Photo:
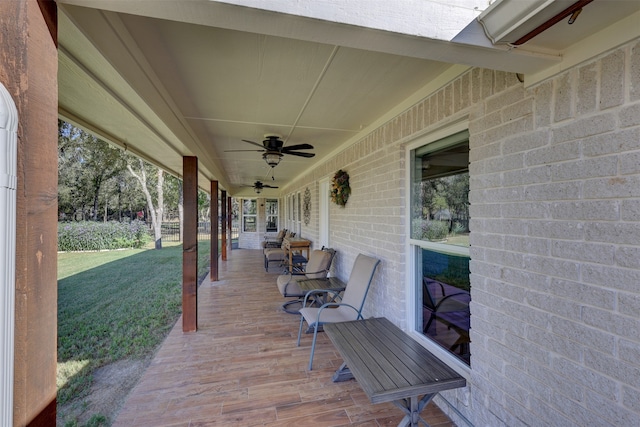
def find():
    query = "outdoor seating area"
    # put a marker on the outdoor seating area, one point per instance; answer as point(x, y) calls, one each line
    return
point(347, 307)
point(316, 268)
point(242, 366)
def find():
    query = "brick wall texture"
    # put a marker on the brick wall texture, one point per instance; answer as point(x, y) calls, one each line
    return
point(555, 237)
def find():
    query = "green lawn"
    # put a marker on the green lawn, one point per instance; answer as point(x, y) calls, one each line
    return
point(115, 305)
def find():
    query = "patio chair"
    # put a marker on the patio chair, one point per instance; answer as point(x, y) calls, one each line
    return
point(317, 268)
point(274, 242)
point(349, 306)
point(276, 254)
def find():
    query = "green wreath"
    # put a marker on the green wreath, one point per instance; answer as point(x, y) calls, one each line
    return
point(340, 189)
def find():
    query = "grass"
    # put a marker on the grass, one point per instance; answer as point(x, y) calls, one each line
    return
point(115, 305)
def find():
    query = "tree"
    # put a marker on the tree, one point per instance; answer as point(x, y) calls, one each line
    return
point(155, 210)
point(85, 165)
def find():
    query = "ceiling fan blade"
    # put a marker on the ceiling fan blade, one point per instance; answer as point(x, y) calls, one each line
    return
point(295, 153)
point(238, 151)
point(268, 186)
point(254, 143)
point(297, 147)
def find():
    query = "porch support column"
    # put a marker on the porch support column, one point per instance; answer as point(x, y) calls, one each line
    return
point(28, 71)
point(229, 225)
point(223, 224)
point(215, 235)
point(190, 245)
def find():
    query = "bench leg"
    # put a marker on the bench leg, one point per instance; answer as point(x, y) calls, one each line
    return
point(342, 374)
point(412, 408)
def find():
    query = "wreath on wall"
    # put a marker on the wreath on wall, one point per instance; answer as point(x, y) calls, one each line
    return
point(340, 189)
point(306, 206)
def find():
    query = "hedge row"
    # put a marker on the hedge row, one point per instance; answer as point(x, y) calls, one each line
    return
point(94, 236)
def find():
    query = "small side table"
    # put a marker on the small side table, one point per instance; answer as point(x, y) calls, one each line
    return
point(295, 243)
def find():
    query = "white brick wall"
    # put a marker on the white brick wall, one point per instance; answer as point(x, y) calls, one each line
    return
point(555, 243)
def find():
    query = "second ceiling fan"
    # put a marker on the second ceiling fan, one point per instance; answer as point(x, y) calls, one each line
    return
point(258, 186)
point(273, 149)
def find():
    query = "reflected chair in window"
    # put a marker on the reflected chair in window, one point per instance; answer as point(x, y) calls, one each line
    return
point(317, 268)
point(348, 307)
point(448, 305)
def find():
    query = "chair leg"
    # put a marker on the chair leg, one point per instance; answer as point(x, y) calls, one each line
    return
point(300, 330)
point(298, 302)
point(431, 318)
point(313, 345)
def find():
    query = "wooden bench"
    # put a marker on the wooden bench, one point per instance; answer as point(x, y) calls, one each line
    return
point(390, 366)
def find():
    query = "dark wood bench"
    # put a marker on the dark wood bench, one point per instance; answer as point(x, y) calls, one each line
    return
point(390, 366)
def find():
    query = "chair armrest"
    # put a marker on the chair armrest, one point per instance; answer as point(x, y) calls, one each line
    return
point(461, 305)
point(316, 272)
point(335, 305)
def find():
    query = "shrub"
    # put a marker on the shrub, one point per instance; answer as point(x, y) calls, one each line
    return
point(429, 230)
point(458, 228)
point(94, 236)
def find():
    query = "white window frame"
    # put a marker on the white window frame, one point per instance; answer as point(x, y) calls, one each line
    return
point(244, 216)
point(411, 252)
point(323, 213)
point(268, 215)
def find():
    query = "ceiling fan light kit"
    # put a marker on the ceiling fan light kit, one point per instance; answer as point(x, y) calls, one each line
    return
point(272, 158)
point(273, 149)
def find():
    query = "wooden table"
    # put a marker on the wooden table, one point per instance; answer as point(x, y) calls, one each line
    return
point(390, 366)
point(330, 283)
point(295, 243)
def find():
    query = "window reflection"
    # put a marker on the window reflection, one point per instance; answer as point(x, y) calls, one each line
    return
point(440, 234)
point(445, 301)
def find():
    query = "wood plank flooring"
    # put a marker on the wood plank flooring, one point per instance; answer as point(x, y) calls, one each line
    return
point(243, 368)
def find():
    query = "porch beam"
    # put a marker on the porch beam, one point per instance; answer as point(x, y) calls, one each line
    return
point(223, 220)
point(190, 245)
point(229, 223)
point(215, 235)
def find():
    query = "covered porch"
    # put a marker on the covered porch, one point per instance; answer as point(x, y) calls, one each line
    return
point(242, 367)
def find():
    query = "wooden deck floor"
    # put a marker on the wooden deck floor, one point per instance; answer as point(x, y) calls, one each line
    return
point(243, 368)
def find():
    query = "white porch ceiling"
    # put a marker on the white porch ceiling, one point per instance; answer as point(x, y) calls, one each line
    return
point(169, 79)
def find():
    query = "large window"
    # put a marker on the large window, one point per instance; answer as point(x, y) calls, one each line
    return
point(271, 207)
point(440, 241)
point(249, 215)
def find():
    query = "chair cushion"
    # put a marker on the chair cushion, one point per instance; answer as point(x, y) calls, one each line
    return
point(318, 264)
point(274, 254)
point(329, 315)
point(288, 285)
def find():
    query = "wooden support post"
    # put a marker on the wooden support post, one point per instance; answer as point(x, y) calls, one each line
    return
point(190, 245)
point(229, 223)
point(215, 235)
point(28, 147)
point(223, 202)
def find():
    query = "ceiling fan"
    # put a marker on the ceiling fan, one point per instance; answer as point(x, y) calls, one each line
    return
point(273, 148)
point(258, 186)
